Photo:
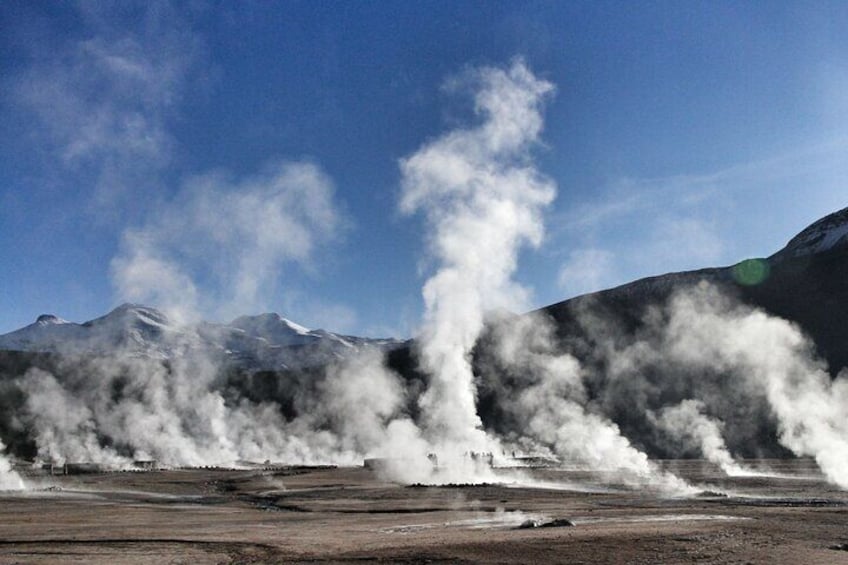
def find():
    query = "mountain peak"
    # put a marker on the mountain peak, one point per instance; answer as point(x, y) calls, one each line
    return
point(275, 329)
point(129, 310)
point(50, 319)
point(822, 235)
point(264, 341)
point(268, 321)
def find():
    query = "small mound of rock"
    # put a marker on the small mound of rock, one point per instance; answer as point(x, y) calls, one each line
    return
point(711, 494)
point(452, 485)
point(556, 523)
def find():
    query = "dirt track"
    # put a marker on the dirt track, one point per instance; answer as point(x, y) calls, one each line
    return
point(349, 515)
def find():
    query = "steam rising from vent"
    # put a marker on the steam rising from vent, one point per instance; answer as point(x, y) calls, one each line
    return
point(365, 401)
point(113, 410)
point(64, 425)
point(687, 422)
point(9, 479)
point(707, 329)
point(482, 198)
point(548, 400)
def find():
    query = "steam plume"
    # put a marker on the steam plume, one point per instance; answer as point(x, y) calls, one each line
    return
point(688, 423)
point(482, 198)
point(707, 329)
point(221, 244)
point(9, 479)
point(549, 402)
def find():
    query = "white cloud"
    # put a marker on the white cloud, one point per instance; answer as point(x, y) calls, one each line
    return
point(102, 103)
point(221, 245)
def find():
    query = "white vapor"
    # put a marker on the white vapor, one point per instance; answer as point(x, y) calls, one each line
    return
point(707, 329)
point(103, 103)
point(9, 479)
point(688, 423)
point(220, 245)
point(550, 404)
point(64, 424)
point(483, 198)
point(124, 407)
point(361, 398)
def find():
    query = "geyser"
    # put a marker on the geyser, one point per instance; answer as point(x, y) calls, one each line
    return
point(482, 198)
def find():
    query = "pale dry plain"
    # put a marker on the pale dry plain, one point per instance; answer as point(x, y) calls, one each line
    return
point(349, 515)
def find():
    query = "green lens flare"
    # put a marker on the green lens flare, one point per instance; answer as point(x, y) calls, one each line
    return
point(751, 272)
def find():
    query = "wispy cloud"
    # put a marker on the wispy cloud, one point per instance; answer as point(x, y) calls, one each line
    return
point(102, 102)
point(221, 245)
point(644, 226)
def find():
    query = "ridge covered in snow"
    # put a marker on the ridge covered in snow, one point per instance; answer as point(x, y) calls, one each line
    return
point(823, 235)
point(266, 341)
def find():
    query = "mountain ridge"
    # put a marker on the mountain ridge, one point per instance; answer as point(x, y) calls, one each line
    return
point(263, 341)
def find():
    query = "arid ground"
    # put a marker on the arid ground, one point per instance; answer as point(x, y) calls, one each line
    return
point(329, 515)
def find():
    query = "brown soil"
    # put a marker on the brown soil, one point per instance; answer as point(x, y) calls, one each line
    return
point(351, 516)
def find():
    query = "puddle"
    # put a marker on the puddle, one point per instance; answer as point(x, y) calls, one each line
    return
point(521, 520)
point(565, 486)
point(497, 520)
point(657, 518)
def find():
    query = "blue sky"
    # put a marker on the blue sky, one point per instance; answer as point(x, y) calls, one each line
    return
point(244, 157)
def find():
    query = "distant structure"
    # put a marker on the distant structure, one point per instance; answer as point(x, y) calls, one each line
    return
point(146, 464)
point(381, 463)
point(84, 468)
point(377, 463)
point(74, 468)
point(481, 457)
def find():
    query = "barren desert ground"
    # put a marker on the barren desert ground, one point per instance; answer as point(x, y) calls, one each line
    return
point(339, 515)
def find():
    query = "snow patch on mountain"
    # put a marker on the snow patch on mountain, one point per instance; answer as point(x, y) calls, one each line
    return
point(266, 341)
point(823, 235)
point(275, 329)
point(49, 320)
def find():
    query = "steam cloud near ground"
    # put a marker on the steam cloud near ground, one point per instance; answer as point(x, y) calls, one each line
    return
point(9, 479)
point(701, 376)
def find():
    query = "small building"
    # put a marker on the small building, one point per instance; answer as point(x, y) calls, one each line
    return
point(84, 468)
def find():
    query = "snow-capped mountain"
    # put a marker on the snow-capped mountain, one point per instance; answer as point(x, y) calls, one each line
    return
point(48, 332)
point(274, 329)
point(129, 328)
point(266, 341)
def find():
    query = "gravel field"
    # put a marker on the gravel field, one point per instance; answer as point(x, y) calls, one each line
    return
point(786, 514)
